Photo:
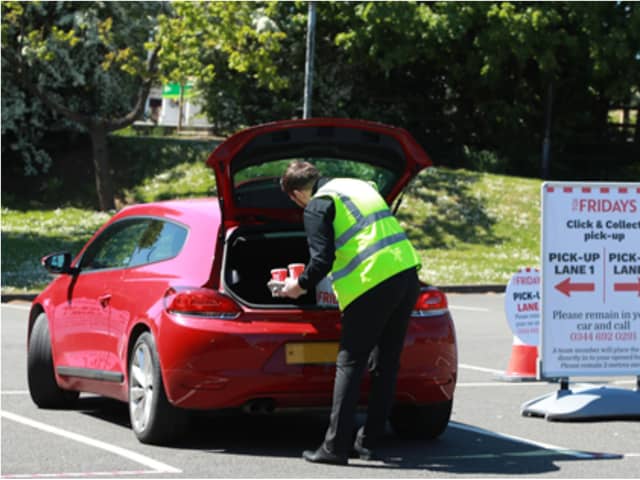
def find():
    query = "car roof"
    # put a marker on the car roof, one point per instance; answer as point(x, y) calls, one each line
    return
point(185, 211)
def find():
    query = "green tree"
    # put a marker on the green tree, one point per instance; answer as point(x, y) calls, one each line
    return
point(94, 63)
point(85, 62)
point(201, 39)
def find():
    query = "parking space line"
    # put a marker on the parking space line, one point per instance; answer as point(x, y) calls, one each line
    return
point(545, 446)
point(481, 369)
point(15, 392)
point(18, 306)
point(80, 474)
point(156, 466)
point(501, 384)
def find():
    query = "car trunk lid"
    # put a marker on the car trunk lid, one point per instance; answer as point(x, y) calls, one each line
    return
point(249, 164)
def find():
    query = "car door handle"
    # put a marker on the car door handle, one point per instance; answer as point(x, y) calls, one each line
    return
point(104, 300)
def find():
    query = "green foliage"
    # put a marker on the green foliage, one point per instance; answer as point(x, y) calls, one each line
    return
point(29, 235)
point(136, 160)
point(472, 228)
point(457, 75)
point(453, 73)
point(185, 180)
point(88, 56)
point(468, 227)
point(148, 168)
point(86, 62)
point(483, 160)
point(24, 122)
point(242, 31)
point(328, 167)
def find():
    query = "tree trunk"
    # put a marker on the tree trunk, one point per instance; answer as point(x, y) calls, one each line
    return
point(104, 183)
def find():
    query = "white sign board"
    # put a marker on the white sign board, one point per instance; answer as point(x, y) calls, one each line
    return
point(522, 305)
point(590, 279)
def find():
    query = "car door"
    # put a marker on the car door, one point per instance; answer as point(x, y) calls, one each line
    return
point(143, 284)
point(82, 321)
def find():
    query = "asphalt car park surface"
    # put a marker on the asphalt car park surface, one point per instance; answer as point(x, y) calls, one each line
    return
point(487, 436)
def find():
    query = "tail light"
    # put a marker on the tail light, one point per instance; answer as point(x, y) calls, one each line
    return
point(201, 302)
point(430, 302)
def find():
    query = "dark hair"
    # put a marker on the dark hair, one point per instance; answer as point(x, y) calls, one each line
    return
point(299, 175)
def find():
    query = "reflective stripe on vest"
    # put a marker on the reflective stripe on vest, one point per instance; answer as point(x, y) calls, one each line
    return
point(361, 221)
point(366, 253)
point(370, 244)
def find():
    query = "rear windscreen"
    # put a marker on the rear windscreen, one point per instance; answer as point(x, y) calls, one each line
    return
point(259, 185)
point(337, 152)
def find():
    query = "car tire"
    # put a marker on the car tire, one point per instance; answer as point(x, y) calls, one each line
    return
point(43, 388)
point(421, 421)
point(153, 419)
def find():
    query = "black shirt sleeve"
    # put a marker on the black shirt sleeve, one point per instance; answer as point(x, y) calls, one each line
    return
point(318, 224)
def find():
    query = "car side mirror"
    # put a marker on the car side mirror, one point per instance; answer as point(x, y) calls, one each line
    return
point(57, 263)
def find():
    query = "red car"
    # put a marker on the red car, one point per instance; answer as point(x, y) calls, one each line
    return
point(167, 306)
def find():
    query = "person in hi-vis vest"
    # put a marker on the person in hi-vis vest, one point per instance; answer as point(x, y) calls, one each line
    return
point(354, 239)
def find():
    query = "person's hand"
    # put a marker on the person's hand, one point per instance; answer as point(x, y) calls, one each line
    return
point(291, 288)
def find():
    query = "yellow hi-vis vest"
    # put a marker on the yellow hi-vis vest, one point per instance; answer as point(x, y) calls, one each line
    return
point(370, 244)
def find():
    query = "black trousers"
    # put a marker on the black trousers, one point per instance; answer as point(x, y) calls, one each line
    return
point(373, 330)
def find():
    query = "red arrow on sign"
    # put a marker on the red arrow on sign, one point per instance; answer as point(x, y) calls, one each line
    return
point(627, 287)
point(567, 287)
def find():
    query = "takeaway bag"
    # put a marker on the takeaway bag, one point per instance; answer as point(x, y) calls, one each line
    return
point(324, 293)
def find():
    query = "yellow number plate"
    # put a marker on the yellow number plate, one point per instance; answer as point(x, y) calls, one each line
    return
point(311, 352)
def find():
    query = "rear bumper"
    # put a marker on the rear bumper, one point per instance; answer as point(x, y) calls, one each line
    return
point(213, 364)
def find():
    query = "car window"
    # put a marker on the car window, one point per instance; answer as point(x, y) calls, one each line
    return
point(259, 185)
point(135, 242)
point(160, 241)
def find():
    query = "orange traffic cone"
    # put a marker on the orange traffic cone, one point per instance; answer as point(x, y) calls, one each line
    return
point(522, 364)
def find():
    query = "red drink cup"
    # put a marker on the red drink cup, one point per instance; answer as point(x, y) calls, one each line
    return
point(279, 274)
point(295, 269)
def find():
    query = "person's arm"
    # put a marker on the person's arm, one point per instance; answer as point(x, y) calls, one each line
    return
point(318, 225)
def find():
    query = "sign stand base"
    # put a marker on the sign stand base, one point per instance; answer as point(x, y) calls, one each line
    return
point(585, 402)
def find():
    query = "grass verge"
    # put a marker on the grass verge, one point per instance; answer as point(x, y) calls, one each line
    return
point(468, 227)
point(29, 235)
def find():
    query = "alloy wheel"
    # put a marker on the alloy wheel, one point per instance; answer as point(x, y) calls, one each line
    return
point(141, 390)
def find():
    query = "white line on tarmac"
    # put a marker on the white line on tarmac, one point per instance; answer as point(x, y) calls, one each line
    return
point(469, 309)
point(157, 466)
point(15, 392)
point(500, 384)
point(79, 474)
point(17, 306)
point(481, 369)
point(503, 436)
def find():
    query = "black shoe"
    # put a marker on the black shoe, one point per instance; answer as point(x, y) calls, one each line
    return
point(321, 455)
point(363, 453)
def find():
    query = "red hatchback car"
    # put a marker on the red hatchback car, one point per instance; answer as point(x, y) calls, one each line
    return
point(167, 306)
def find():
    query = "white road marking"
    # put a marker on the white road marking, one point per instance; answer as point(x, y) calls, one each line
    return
point(469, 309)
point(17, 306)
point(79, 474)
point(500, 384)
point(481, 369)
point(15, 392)
point(546, 446)
point(158, 467)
